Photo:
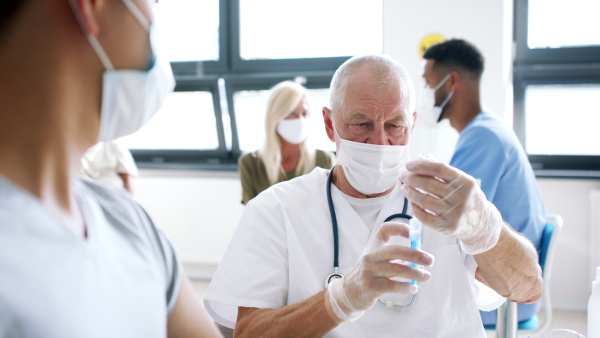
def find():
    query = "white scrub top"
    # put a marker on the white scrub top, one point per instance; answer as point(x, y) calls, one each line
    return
point(104, 161)
point(282, 251)
point(122, 280)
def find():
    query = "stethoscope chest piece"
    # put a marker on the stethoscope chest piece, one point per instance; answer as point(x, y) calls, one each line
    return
point(335, 275)
point(336, 248)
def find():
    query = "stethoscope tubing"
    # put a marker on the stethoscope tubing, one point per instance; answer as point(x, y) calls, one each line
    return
point(334, 225)
point(336, 246)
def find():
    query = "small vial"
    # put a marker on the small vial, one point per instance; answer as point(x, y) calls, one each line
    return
point(414, 236)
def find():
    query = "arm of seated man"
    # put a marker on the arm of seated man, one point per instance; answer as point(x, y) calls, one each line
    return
point(511, 268)
point(455, 206)
point(189, 318)
point(309, 318)
point(346, 298)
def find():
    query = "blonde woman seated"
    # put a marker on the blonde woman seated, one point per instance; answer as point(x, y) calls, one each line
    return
point(285, 153)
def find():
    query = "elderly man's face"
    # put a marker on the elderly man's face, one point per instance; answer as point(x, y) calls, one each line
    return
point(373, 113)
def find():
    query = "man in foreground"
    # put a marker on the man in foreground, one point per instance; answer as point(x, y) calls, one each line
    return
point(79, 259)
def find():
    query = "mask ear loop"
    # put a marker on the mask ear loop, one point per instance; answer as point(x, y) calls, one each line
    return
point(92, 39)
point(447, 99)
point(138, 14)
point(439, 85)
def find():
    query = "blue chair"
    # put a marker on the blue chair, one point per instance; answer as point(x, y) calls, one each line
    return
point(508, 313)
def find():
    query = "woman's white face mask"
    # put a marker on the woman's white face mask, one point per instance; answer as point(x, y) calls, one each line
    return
point(294, 131)
point(371, 168)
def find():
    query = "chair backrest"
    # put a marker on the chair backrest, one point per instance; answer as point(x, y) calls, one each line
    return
point(549, 240)
point(550, 234)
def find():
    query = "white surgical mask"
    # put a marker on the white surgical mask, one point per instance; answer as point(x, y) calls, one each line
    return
point(294, 131)
point(371, 168)
point(428, 109)
point(130, 98)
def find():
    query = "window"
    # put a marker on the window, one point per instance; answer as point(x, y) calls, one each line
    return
point(555, 24)
point(311, 35)
point(227, 54)
point(186, 121)
point(556, 85)
point(189, 128)
point(560, 120)
point(250, 107)
point(247, 100)
point(275, 29)
point(196, 26)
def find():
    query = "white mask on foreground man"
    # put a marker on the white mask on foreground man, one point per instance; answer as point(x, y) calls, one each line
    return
point(270, 281)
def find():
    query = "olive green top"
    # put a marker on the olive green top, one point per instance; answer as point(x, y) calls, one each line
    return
point(254, 175)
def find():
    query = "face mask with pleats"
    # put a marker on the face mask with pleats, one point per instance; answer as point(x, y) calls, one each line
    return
point(371, 168)
point(427, 107)
point(294, 131)
point(130, 98)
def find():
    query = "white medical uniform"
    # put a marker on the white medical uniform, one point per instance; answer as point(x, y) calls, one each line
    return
point(104, 161)
point(122, 280)
point(282, 251)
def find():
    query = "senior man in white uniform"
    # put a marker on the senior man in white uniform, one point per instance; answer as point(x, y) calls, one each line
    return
point(270, 282)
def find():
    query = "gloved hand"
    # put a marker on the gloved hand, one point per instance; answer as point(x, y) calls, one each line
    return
point(371, 276)
point(448, 200)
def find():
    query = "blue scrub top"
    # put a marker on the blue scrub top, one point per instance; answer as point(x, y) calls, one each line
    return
point(491, 152)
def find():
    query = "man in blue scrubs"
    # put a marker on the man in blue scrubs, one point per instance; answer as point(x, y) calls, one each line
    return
point(487, 149)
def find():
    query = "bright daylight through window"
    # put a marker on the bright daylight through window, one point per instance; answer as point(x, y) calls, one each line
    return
point(275, 29)
point(189, 29)
point(247, 46)
point(554, 24)
point(186, 121)
point(553, 112)
point(250, 107)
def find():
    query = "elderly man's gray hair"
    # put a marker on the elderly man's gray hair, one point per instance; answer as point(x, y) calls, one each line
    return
point(382, 67)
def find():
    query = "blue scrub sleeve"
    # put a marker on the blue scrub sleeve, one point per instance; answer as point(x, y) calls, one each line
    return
point(479, 153)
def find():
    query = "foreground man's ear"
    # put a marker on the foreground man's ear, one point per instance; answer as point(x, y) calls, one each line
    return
point(86, 11)
point(328, 123)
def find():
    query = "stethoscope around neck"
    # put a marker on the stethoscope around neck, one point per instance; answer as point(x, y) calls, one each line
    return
point(336, 243)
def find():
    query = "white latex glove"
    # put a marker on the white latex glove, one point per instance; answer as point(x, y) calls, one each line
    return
point(450, 201)
point(371, 276)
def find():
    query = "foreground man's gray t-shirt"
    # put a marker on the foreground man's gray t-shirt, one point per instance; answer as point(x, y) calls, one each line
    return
point(120, 281)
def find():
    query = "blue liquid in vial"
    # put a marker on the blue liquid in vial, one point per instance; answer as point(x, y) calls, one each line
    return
point(415, 243)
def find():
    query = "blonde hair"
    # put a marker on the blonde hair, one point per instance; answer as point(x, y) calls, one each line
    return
point(283, 100)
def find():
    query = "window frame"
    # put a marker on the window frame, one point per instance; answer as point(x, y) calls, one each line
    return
point(237, 74)
point(147, 158)
point(551, 66)
point(314, 80)
point(199, 69)
point(240, 65)
point(526, 55)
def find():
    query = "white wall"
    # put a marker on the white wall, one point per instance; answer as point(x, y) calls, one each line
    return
point(483, 23)
point(572, 275)
point(199, 210)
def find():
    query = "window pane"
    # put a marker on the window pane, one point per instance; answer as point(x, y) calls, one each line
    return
point(189, 29)
point(556, 23)
point(186, 121)
point(275, 29)
point(250, 109)
point(562, 119)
